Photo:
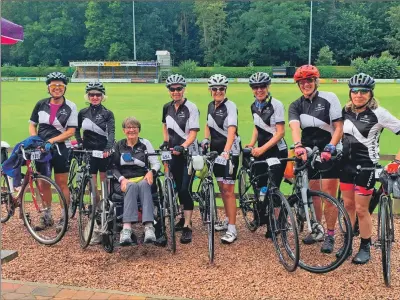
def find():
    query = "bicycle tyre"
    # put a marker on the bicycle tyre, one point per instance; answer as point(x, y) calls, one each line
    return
point(248, 205)
point(291, 261)
point(86, 210)
point(347, 236)
point(107, 240)
point(64, 210)
point(73, 189)
point(169, 200)
point(6, 199)
point(211, 222)
point(386, 241)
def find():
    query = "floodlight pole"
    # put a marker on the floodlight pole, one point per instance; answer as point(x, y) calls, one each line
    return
point(309, 43)
point(134, 30)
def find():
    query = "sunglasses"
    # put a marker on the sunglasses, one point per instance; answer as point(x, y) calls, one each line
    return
point(220, 89)
point(259, 87)
point(58, 85)
point(95, 94)
point(178, 89)
point(363, 91)
point(306, 80)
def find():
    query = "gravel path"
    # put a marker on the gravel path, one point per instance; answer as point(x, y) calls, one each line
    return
point(248, 269)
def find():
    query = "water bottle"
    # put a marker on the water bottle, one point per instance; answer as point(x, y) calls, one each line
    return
point(263, 192)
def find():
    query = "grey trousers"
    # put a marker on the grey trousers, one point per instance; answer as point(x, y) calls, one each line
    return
point(135, 192)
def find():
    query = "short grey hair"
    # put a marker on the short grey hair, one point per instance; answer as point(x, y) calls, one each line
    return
point(131, 121)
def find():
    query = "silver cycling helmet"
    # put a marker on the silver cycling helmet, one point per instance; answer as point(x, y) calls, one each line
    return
point(95, 86)
point(362, 80)
point(260, 78)
point(218, 80)
point(175, 79)
point(55, 76)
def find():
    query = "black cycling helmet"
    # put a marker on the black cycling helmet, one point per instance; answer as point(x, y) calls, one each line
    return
point(175, 79)
point(56, 76)
point(95, 86)
point(259, 78)
point(362, 80)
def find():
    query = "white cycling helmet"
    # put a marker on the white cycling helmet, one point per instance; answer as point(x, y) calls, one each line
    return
point(175, 79)
point(218, 80)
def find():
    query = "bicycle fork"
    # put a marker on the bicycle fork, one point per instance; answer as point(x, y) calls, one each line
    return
point(304, 197)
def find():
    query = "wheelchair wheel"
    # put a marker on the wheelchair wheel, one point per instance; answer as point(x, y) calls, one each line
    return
point(248, 200)
point(170, 214)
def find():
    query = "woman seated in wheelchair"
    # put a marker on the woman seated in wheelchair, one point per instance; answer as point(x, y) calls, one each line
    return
point(135, 180)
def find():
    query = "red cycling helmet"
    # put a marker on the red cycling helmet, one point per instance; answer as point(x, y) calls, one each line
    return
point(306, 71)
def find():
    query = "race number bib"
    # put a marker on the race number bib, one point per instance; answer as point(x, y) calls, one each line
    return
point(98, 154)
point(35, 155)
point(166, 155)
point(221, 161)
point(273, 161)
point(378, 173)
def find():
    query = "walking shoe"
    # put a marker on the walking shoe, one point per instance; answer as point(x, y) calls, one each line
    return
point(363, 256)
point(179, 224)
point(310, 239)
point(44, 221)
point(186, 236)
point(228, 237)
point(327, 246)
point(268, 234)
point(149, 235)
point(60, 226)
point(125, 237)
point(221, 226)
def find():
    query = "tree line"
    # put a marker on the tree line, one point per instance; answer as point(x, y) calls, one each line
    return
point(212, 33)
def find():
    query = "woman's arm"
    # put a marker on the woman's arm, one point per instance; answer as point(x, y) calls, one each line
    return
point(231, 137)
point(254, 137)
point(32, 129)
point(338, 133)
point(63, 136)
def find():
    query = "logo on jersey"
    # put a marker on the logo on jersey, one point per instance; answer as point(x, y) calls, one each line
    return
point(319, 107)
point(181, 114)
point(99, 117)
point(63, 112)
point(364, 119)
point(219, 113)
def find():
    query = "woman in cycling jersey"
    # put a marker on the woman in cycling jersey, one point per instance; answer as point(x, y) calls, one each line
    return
point(54, 120)
point(98, 126)
point(269, 129)
point(364, 121)
point(316, 120)
point(221, 128)
point(180, 126)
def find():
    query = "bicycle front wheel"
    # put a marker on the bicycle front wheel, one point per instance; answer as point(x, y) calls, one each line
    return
point(386, 239)
point(284, 230)
point(86, 212)
point(7, 206)
point(170, 214)
point(210, 212)
point(319, 251)
point(44, 209)
point(73, 188)
point(248, 200)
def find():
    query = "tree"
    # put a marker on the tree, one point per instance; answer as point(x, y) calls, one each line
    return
point(325, 57)
point(393, 39)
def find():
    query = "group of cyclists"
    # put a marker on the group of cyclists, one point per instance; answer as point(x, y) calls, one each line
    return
point(316, 119)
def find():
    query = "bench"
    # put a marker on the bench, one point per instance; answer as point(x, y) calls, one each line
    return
point(283, 71)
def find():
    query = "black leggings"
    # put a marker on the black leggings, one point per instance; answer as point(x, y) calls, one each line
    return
point(179, 171)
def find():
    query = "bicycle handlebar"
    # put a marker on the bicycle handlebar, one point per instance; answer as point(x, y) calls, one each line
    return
point(41, 148)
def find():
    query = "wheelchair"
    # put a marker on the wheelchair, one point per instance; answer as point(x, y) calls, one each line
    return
point(109, 212)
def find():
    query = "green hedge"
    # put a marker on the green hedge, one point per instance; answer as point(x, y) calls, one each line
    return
point(245, 72)
point(11, 71)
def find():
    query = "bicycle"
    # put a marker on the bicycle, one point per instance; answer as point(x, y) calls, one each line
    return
point(205, 192)
point(83, 194)
point(303, 204)
point(34, 200)
point(274, 206)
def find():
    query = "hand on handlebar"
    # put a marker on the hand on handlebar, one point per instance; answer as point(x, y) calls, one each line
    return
point(326, 155)
point(178, 150)
point(300, 152)
point(256, 152)
point(225, 155)
point(164, 145)
point(205, 143)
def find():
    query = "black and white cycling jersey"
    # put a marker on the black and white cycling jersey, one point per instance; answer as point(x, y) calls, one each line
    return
point(362, 132)
point(316, 118)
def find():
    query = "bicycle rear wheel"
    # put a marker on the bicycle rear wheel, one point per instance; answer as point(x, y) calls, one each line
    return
point(86, 212)
point(248, 200)
point(7, 205)
point(284, 230)
point(42, 204)
point(73, 188)
point(170, 214)
point(210, 219)
point(386, 239)
point(312, 257)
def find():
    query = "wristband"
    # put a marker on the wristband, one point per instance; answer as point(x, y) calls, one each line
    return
point(121, 178)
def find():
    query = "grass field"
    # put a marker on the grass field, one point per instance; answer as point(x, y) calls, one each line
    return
point(145, 102)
